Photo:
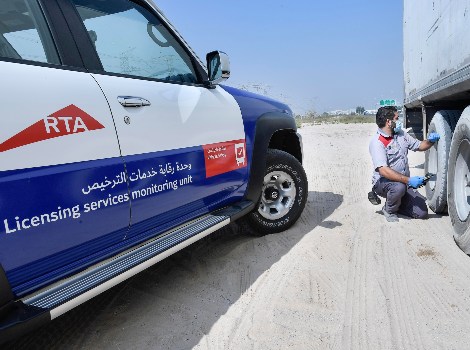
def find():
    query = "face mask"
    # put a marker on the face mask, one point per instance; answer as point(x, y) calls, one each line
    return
point(396, 126)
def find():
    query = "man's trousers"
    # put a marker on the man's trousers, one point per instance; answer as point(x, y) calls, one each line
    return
point(400, 199)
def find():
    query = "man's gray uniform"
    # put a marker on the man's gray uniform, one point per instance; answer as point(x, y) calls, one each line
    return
point(392, 151)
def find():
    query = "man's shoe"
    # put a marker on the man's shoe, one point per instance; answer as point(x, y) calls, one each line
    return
point(374, 198)
point(391, 217)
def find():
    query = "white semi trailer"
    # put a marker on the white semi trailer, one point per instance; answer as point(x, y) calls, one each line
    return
point(437, 98)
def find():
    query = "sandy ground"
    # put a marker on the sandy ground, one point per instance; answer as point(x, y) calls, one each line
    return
point(341, 278)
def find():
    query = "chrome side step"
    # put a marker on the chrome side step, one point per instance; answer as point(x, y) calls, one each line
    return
point(84, 286)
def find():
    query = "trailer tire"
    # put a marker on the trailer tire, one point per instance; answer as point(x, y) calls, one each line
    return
point(285, 177)
point(453, 118)
point(436, 161)
point(458, 184)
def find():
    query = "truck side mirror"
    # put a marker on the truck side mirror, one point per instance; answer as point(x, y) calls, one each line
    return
point(218, 66)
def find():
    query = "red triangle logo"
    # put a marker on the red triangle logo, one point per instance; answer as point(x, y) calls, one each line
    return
point(67, 121)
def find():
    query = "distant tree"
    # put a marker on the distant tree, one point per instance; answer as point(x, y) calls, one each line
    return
point(310, 114)
point(360, 110)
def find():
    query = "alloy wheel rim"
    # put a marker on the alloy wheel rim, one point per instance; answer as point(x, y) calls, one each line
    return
point(277, 195)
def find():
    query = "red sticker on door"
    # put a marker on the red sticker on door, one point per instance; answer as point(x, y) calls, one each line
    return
point(223, 157)
point(67, 121)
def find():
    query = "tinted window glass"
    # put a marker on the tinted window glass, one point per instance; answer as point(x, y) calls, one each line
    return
point(24, 33)
point(130, 40)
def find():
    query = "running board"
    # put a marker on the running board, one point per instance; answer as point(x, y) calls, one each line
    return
point(94, 281)
point(24, 315)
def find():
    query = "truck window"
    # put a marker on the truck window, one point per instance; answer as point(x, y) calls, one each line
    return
point(130, 40)
point(24, 33)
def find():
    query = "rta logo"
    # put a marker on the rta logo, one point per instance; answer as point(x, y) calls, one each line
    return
point(64, 125)
point(67, 121)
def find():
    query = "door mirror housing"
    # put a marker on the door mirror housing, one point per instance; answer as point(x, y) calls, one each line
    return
point(218, 67)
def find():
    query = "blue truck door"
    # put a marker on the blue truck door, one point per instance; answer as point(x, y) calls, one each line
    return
point(63, 193)
point(183, 144)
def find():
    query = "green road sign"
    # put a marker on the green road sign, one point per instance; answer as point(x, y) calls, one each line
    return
point(387, 103)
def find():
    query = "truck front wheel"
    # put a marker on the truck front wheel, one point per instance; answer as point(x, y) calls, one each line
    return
point(283, 195)
point(458, 185)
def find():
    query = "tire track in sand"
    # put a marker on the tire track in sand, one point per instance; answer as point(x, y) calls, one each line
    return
point(363, 325)
point(400, 290)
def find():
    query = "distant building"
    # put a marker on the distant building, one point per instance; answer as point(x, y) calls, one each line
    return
point(342, 112)
point(353, 111)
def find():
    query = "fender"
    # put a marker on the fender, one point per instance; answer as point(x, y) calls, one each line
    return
point(266, 126)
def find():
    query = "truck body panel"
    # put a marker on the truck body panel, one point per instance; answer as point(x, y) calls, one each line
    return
point(436, 52)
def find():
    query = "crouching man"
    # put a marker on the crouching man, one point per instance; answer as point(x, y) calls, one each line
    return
point(391, 176)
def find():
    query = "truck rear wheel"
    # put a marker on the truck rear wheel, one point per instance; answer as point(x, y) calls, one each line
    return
point(436, 159)
point(458, 187)
point(283, 195)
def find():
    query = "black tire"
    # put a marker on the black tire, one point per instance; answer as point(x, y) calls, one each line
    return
point(436, 160)
point(458, 182)
point(283, 196)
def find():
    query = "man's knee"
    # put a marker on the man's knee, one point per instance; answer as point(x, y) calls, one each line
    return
point(397, 189)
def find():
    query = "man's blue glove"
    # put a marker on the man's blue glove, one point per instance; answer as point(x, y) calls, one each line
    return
point(433, 137)
point(415, 181)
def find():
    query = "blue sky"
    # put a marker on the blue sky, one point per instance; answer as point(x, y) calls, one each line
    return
point(314, 55)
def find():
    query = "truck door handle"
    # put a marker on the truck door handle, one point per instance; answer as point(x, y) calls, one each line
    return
point(132, 101)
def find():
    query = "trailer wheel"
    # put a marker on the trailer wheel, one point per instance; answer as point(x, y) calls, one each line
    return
point(453, 118)
point(283, 195)
point(458, 186)
point(436, 160)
